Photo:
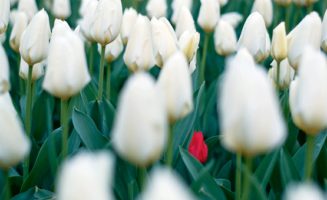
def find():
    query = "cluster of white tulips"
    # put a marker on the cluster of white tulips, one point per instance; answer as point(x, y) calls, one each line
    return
point(249, 112)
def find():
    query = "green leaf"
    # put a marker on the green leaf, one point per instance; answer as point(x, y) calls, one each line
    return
point(288, 170)
point(265, 169)
point(35, 194)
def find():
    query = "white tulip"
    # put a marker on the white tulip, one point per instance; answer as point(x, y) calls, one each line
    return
point(86, 176)
point(250, 117)
point(223, 2)
point(106, 21)
point(164, 39)
point(34, 41)
point(29, 7)
point(177, 5)
point(286, 74)
point(189, 44)
point(3, 38)
point(140, 54)
point(84, 7)
point(308, 95)
point(86, 21)
point(20, 24)
point(254, 37)
point(165, 184)
point(129, 19)
point(4, 15)
point(67, 71)
point(265, 8)
point(113, 50)
point(324, 33)
point(209, 15)
point(184, 22)
point(307, 32)
point(193, 64)
point(143, 140)
point(304, 2)
point(176, 85)
point(14, 145)
point(283, 2)
point(233, 18)
point(279, 43)
point(61, 9)
point(303, 191)
point(37, 72)
point(156, 8)
point(4, 71)
point(225, 38)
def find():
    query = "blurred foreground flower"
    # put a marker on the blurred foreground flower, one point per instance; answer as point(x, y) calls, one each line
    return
point(20, 24)
point(156, 8)
point(29, 7)
point(128, 21)
point(198, 148)
point(4, 71)
point(286, 74)
point(304, 191)
point(4, 15)
point(225, 39)
point(209, 15)
point(265, 8)
point(61, 9)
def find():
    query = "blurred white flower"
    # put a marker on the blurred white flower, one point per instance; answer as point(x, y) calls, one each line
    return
point(4, 15)
point(177, 5)
point(156, 8)
point(324, 33)
point(223, 2)
point(21, 22)
point(61, 9)
point(209, 15)
point(37, 72)
point(4, 71)
point(185, 22)
point(140, 106)
point(189, 44)
point(286, 74)
point(86, 176)
point(279, 43)
point(29, 7)
point(225, 38)
point(84, 7)
point(265, 8)
point(303, 191)
point(128, 21)
point(86, 21)
point(113, 50)
point(233, 18)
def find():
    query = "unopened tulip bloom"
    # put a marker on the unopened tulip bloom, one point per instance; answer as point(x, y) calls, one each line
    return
point(198, 148)
point(283, 2)
point(35, 39)
point(225, 39)
point(304, 2)
point(156, 8)
point(86, 176)
point(113, 49)
point(67, 71)
point(165, 184)
point(177, 5)
point(189, 44)
point(164, 39)
point(250, 116)
point(175, 83)
point(279, 43)
point(61, 9)
point(4, 15)
point(303, 191)
point(254, 37)
point(307, 32)
point(106, 21)
point(14, 145)
point(184, 22)
point(29, 7)
point(233, 18)
point(143, 140)
point(265, 8)
point(129, 19)
point(84, 7)
point(4, 71)
point(20, 24)
point(140, 54)
point(209, 15)
point(223, 2)
point(193, 64)
point(286, 74)
point(38, 70)
point(324, 33)
point(86, 21)
point(308, 97)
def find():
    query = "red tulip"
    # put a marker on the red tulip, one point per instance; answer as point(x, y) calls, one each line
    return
point(198, 148)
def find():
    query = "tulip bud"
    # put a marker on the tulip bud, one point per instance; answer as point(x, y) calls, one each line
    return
point(34, 41)
point(223, 2)
point(156, 8)
point(165, 184)
point(143, 140)
point(129, 19)
point(86, 176)
point(189, 44)
point(184, 22)
point(4, 71)
point(106, 21)
point(140, 54)
point(113, 50)
point(37, 72)
point(233, 18)
point(21, 22)
point(279, 43)
point(303, 191)
point(225, 38)
point(209, 15)
point(84, 7)
point(86, 21)
point(177, 5)
point(193, 64)
point(286, 74)
point(254, 37)
point(324, 33)
point(14, 145)
point(164, 39)
point(250, 117)
point(67, 71)
point(198, 148)
point(283, 2)
point(265, 8)
point(29, 7)
point(4, 15)
point(307, 32)
point(304, 2)
point(61, 9)
point(308, 97)
point(175, 84)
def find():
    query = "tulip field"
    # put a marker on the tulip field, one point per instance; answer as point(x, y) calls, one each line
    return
point(163, 99)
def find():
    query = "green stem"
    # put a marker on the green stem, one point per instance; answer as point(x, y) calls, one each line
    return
point(101, 74)
point(64, 126)
point(247, 174)
point(170, 147)
point(310, 8)
point(142, 177)
point(278, 75)
point(204, 57)
point(288, 18)
point(108, 80)
point(91, 59)
point(238, 177)
point(7, 189)
point(136, 4)
point(309, 157)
